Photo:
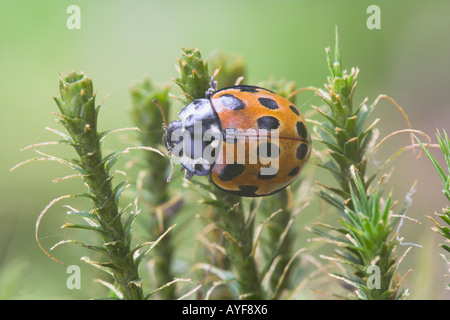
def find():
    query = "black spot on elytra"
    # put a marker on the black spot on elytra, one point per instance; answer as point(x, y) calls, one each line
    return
point(268, 103)
point(231, 102)
point(294, 172)
point(248, 190)
point(302, 150)
point(267, 149)
point(295, 110)
point(301, 130)
point(231, 171)
point(268, 123)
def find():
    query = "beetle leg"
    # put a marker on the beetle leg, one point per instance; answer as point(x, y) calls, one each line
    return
point(188, 175)
point(213, 88)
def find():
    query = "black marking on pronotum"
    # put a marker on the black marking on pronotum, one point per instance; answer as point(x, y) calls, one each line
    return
point(302, 150)
point(268, 123)
point(231, 102)
point(213, 151)
point(231, 171)
point(295, 110)
point(189, 118)
point(268, 103)
point(301, 130)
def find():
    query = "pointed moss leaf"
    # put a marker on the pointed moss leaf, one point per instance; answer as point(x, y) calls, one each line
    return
point(362, 115)
point(365, 138)
point(329, 117)
point(446, 218)
point(166, 285)
point(322, 233)
point(145, 253)
point(332, 200)
point(119, 189)
point(332, 167)
point(83, 214)
point(223, 274)
point(70, 163)
point(350, 125)
point(114, 290)
point(215, 203)
point(83, 226)
point(104, 266)
point(111, 160)
point(433, 160)
point(194, 77)
point(445, 247)
point(341, 159)
point(444, 143)
point(81, 244)
point(337, 191)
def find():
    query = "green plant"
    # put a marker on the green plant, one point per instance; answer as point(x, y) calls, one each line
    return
point(365, 239)
point(153, 188)
point(444, 230)
point(106, 218)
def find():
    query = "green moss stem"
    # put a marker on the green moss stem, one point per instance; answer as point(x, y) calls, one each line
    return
point(79, 116)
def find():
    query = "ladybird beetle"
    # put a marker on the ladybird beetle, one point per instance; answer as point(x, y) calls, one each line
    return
point(249, 140)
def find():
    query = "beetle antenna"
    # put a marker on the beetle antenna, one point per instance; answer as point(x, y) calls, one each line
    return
point(155, 101)
point(212, 83)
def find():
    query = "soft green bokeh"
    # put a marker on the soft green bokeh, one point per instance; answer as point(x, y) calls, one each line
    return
point(122, 41)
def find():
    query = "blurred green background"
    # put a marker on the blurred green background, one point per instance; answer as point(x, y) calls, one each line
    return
point(122, 41)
